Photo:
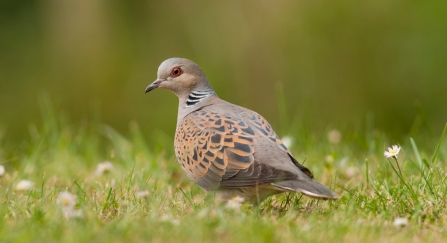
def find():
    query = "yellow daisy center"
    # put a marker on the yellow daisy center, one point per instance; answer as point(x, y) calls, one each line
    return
point(65, 201)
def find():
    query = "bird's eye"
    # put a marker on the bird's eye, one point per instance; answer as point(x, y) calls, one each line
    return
point(176, 72)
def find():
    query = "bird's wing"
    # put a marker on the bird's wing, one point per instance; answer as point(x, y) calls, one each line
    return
point(218, 151)
point(265, 129)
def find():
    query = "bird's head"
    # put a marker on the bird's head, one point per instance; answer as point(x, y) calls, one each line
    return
point(180, 76)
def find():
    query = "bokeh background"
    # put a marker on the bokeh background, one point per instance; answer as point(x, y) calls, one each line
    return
point(335, 63)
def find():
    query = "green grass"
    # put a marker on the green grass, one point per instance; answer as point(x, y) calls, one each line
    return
point(62, 156)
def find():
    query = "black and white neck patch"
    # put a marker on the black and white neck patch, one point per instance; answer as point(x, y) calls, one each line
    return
point(198, 95)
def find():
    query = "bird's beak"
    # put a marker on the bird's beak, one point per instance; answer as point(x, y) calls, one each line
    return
point(154, 85)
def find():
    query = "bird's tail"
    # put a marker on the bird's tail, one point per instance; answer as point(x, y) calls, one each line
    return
point(308, 187)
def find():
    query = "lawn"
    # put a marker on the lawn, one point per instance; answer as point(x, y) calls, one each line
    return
point(142, 195)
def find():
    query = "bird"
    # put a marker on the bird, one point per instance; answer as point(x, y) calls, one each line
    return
point(228, 149)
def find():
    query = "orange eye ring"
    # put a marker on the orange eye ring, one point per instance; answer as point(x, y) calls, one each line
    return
point(177, 71)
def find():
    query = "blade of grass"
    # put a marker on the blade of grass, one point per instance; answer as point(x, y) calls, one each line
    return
point(416, 152)
point(424, 177)
point(42, 186)
point(438, 147)
point(367, 173)
point(82, 190)
point(188, 198)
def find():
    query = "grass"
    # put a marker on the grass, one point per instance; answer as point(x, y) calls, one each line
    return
point(62, 156)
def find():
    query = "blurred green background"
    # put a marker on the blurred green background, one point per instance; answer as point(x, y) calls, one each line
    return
point(335, 63)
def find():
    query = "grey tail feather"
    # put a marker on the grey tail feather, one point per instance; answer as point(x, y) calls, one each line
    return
point(308, 187)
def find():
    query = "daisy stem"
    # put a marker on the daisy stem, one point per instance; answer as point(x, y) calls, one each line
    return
point(398, 167)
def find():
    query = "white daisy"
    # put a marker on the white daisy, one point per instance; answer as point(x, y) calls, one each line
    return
point(334, 136)
point(103, 168)
point(24, 185)
point(392, 152)
point(235, 203)
point(287, 141)
point(400, 222)
point(142, 194)
point(351, 171)
point(66, 200)
point(329, 158)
